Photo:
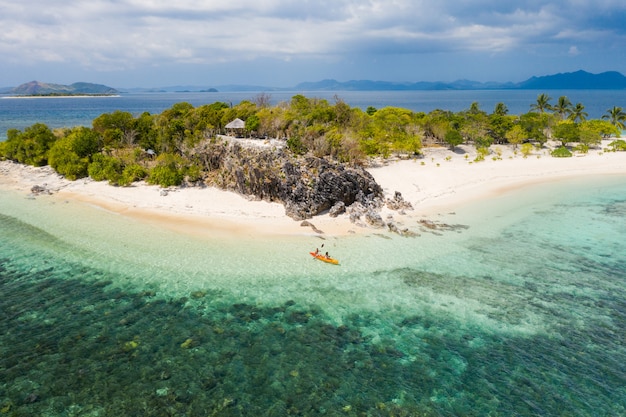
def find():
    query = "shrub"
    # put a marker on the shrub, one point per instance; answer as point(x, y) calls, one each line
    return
point(104, 168)
point(168, 171)
point(561, 152)
point(481, 153)
point(527, 149)
point(618, 145)
point(193, 173)
point(582, 148)
point(66, 162)
point(29, 147)
point(453, 138)
point(132, 173)
point(295, 145)
point(69, 156)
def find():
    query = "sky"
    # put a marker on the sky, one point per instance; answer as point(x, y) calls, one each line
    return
point(280, 43)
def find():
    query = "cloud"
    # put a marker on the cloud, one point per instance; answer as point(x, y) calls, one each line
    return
point(119, 35)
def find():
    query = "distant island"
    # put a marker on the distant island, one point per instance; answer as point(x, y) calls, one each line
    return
point(578, 80)
point(39, 89)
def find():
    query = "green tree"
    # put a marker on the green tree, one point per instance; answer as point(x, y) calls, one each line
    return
point(578, 113)
point(169, 171)
point(29, 147)
point(210, 118)
point(516, 136)
point(616, 116)
point(563, 107)
point(603, 128)
point(174, 126)
point(501, 109)
point(65, 161)
point(499, 125)
point(542, 104)
point(131, 173)
point(453, 138)
point(117, 128)
point(392, 129)
point(105, 168)
point(146, 131)
point(252, 123)
point(591, 133)
point(438, 122)
point(476, 128)
point(535, 125)
point(567, 132)
point(475, 108)
point(70, 155)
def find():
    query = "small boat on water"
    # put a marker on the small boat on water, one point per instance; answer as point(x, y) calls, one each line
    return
point(324, 258)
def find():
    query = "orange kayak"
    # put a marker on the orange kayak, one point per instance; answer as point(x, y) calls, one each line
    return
point(324, 258)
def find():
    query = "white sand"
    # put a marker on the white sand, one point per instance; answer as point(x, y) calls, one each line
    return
point(443, 179)
point(439, 183)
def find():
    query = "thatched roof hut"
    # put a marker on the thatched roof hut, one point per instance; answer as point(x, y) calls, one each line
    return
point(236, 127)
point(236, 124)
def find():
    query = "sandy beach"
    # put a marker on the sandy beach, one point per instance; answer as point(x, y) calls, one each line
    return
point(438, 183)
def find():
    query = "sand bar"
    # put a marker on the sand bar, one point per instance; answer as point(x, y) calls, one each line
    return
point(438, 183)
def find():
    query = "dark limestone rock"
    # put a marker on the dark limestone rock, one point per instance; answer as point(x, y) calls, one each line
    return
point(393, 227)
point(373, 219)
point(306, 186)
point(38, 190)
point(337, 209)
point(398, 203)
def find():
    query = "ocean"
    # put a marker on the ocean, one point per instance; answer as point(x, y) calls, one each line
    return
point(19, 113)
point(517, 309)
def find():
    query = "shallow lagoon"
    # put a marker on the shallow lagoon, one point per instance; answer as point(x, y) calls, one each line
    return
point(520, 312)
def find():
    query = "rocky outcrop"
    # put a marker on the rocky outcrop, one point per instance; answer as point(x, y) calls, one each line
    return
point(307, 186)
point(398, 203)
point(337, 209)
point(39, 190)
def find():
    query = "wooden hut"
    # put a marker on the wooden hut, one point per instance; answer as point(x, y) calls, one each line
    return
point(236, 127)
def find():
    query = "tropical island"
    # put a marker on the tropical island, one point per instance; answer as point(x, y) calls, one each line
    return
point(311, 158)
point(40, 89)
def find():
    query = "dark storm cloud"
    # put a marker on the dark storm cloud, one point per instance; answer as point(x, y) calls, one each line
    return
point(114, 36)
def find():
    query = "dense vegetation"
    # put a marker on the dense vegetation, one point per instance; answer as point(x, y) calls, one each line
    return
point(163, 148)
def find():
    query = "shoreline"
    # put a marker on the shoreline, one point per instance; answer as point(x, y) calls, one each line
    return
point(439, 183)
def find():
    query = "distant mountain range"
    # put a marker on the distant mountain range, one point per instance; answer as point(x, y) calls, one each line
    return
point(36, 88)
point(579, 80)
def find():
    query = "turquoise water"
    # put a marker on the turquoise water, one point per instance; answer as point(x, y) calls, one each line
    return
point(519, 312)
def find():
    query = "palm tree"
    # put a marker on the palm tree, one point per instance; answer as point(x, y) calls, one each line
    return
point(542, 104)
point(563, 107)
point(501, 109)
point(616, 116)
point(578, 113)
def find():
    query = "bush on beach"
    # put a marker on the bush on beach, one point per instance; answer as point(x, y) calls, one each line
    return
point(618, 145)
point(561, 152)
point(70, 155)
